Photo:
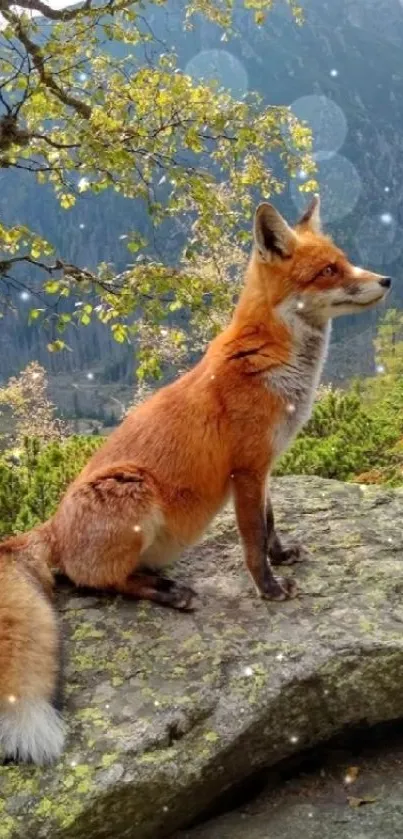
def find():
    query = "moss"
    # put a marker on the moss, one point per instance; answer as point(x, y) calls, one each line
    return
point(191, 643)
point(85, 661)
point(366, 625)
point(63, 809)
point(126, 634)
point(251, 686)
point(82, 770)
point(157, 757)
point(85, 631)
point(65, 813)
point(109, 759)
point(211, 736)
point(122, 655)
point(7, 826)
point(21, 782)
point(94, 716)
point(45, 808)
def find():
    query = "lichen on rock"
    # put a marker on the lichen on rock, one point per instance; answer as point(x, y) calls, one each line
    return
point(166, 710)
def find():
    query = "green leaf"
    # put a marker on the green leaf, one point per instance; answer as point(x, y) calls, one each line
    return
point(52, 286)
point(34, 314)
point(119, 331)
point(56, 346)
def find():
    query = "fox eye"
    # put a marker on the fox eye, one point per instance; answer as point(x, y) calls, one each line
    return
point(329, 271)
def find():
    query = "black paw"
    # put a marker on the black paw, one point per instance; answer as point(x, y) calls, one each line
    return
point(181, 597)
point(294, 552)
point(280, 588)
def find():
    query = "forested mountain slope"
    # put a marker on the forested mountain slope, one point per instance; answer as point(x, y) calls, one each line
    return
point(342, 70)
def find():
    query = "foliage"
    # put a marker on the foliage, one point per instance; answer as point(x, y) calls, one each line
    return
point(341, 439)
point(33, 479)
point(88, 104)
point(357, 434)
point(32, 413)
point(389, 344)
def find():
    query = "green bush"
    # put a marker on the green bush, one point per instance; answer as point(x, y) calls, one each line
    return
point(342, 439)
point(34, 477)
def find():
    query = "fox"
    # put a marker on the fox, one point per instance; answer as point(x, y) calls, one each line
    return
point(156, 483)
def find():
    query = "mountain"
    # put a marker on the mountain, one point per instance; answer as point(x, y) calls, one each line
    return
point(341, 70)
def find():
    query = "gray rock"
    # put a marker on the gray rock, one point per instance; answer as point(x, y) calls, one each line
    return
point(350, 795)
point(166, 710)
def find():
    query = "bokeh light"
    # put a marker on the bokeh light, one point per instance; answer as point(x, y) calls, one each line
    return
point(379, 240)
point(326, 120)
point(220, 66)
point(339, 186)
point(83, 184)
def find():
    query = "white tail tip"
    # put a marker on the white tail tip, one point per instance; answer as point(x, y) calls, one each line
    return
point(31, 730)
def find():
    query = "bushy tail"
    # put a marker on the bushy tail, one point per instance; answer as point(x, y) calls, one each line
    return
point(30, 726)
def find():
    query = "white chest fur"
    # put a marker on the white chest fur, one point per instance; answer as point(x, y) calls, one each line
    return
point(296, 382)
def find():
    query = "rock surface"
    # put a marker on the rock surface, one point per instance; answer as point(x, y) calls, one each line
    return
point(166, 710)
point(351, 794)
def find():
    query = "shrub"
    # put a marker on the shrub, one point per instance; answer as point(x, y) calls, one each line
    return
point(34, 477)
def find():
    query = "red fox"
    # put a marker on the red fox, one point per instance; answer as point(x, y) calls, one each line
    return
point(160, 478)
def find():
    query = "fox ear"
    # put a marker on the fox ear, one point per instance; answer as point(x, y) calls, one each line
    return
point(311, 217)
point(272, 235)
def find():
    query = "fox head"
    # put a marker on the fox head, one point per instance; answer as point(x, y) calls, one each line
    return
point(303, 268)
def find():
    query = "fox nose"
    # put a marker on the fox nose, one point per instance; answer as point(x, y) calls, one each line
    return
point(385, 282)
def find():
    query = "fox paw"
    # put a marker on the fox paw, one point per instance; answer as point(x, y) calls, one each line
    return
point(281, 588)
point(294, 552)
point(182, 598)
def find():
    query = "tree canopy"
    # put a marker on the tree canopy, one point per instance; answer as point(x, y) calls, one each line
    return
point(91, 101)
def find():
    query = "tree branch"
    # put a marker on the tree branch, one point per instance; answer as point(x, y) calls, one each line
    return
point(66, 14)
point(37, 58)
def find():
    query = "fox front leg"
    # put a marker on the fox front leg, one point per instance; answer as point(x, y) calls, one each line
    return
point(281, 554)
point(251, 518)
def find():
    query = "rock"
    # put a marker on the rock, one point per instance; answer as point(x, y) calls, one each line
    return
point(369, 806)
point(166, 710)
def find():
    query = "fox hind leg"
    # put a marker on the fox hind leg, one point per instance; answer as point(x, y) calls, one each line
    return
point(159, 589)
point(118, 519)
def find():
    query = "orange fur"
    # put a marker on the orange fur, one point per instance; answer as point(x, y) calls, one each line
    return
point(166, 471)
